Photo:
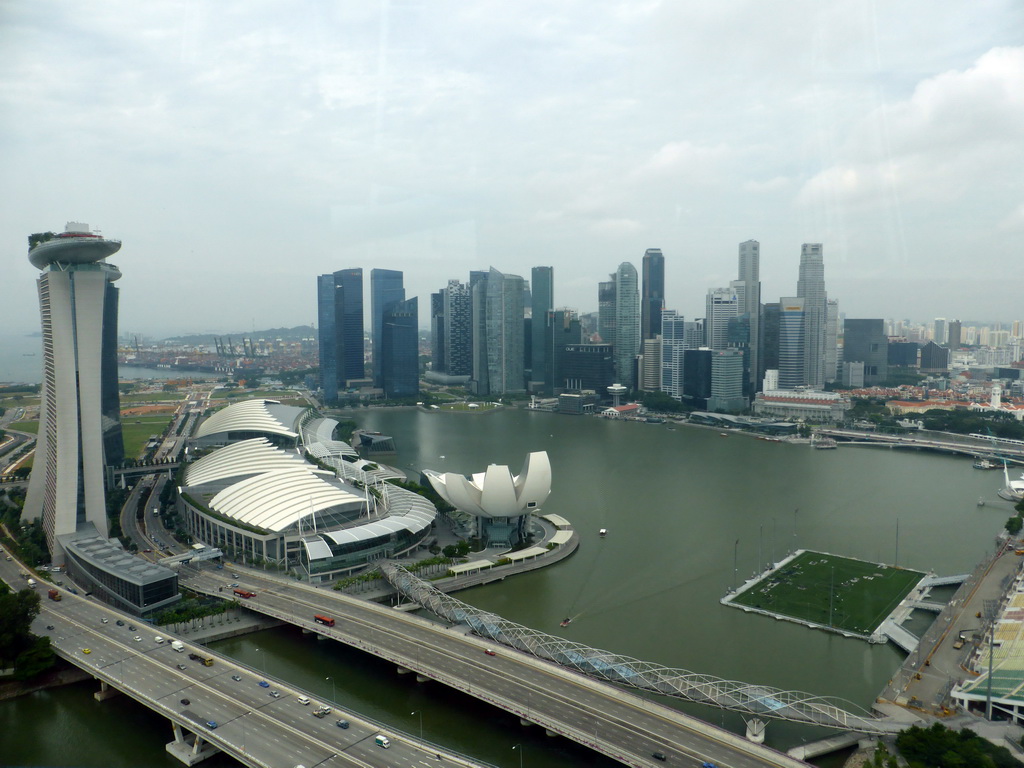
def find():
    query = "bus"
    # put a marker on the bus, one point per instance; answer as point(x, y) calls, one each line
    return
point(244, 593)
point(327, 621)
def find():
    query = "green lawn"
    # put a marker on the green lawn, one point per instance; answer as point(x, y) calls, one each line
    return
point(151, 397)
point(26, 426)
point(840, 592)
point(138, 429)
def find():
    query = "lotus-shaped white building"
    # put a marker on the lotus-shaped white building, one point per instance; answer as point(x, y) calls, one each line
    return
point(500, 502)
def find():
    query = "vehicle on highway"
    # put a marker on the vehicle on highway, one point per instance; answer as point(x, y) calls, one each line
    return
point(186, 702)
point(49, 627)
point(120, 623)
point(708, 765)
point(342, 723)
point(182, 666)
point(131, 627)
point(159, 640)
point(236, 678)
point(104, 620)
point(178, 646)
point(264, 684)
point(303, 700)
point(211, 724)
point(659, 756)
point(382, 741)
point(490, 652)
point(318, 713)
point(276, 694)
point(137, 638)
point(86, 650)
point(233, 584)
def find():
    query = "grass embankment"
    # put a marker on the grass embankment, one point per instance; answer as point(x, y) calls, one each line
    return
point(137, 429)
point(833, 591)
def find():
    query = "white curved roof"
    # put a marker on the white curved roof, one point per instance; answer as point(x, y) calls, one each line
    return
point(251, 416)
point(495, 492)
point(277, 499)
point(246, 457)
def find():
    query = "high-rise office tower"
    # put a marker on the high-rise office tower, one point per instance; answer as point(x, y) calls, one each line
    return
point(697, 376)
point(542, 301)
point(792, 327)
point(653, 299)
point(955, 331)
point(864, 341)
point(722, 305)
point(606, 310)
point(769, 341)
point(503, 323)
point(649, 370)
point(811, 288)
point(399, 349)
point(673, 343)
point(627, 323)
point(437, 352)
point(458, 329)
point(340, 315)
point(727, 381)
point(386, 290)
point(563, 330)
point(748, 296)
point(78, 308)
point(940, 333)
point(832, 333)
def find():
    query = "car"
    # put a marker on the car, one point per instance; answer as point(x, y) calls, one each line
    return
point(490, 652)
point(342, 723)
point(211, 724)
point(86, 650)
point(186, 702)
point(236, 678)
point(9, 558)
point(708, 765)
point(233, 584)
point(234, 576)
point(264, 684)
point(276, 694)
point(147, 550)
point(104, 621)
point(119, 623)
point(159, 640)
point(131, 627)
point(182, 666)
point(318, 713)
point(137, 638)
point(659, 756)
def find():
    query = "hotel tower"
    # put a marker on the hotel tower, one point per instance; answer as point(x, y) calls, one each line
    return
point(79, 423)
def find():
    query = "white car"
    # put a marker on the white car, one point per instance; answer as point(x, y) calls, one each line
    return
point(138, 638)
point(158, 639)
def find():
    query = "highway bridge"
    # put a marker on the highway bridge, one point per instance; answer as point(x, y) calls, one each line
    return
point(606, 718)
point(258, 720)
point(943, 442)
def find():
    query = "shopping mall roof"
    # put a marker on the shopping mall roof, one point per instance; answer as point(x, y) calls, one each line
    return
point(267, 416)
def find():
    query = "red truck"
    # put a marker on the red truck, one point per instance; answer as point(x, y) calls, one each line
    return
point(244, 593)
point(54, 595)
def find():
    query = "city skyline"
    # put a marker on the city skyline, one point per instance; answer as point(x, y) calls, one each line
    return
point(242, 152)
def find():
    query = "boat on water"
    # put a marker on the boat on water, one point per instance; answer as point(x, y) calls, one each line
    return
point(1013, 490)
point(980, 462)
point(565, 622)
point(603, 532)
point(981, 502)
point(824, 443)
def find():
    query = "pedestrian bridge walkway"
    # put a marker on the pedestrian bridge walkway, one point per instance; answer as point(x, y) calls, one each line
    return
point(943, 581)
point(903, 638)
point(609, 667)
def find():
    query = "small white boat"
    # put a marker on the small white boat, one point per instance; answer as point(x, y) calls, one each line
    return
point(602, 532)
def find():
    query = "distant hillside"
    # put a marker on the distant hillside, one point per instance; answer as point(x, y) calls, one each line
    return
point(287, 334)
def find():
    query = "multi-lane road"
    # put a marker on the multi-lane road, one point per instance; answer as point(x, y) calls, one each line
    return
point(624, 726)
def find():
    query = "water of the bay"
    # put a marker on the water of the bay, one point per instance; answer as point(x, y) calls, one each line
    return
point(675, 501)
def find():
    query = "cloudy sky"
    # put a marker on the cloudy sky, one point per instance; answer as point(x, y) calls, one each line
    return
point(239, 149)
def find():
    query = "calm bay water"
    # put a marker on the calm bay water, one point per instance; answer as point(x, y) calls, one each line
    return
point(675, 502)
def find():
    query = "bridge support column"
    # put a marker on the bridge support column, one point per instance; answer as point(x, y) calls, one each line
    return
point(189, 748)
point(403, 671)
point(523, 721)
point(549, 733)
point(755, 730)
point(421, 679)
point(105, 692)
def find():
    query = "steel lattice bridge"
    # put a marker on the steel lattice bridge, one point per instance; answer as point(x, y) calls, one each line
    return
point(753, 700)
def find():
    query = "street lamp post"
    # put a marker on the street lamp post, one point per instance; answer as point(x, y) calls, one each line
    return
point(520, 748)
point(263, 664)
point(420, 713)
point(334, 690)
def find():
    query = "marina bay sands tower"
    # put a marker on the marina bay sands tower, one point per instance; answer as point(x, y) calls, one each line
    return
point(79, 423)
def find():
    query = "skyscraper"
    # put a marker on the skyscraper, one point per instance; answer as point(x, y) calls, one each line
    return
point(811, 288)
point(627, 323)
point(437, 352)
point(564, 329)
point(79, 402)
point(673, 343)
point(792, 348)
point(386, 290)
point(399, 349)
point(727, 378)
point(503, 322)
point(542, 301)
point(832, 333)
point(653, 299)
point(340, 315)
point(748, 295)
point(606, 310)
point(458, 329)
point(864, 341)
point(722, 305)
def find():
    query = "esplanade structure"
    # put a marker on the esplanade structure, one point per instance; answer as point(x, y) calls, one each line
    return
point(281, 490)
point(499, 503)
point(79, 423)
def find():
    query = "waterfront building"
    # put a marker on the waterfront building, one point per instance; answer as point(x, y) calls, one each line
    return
point(606, 310)
point(386, 290)
point(399, 350)
point(673, 343)
point(627, 324)
point(722, 304)
point(768, 339)
point(812, 406)
point(748, 294)
point(650, 366)
point(833, 330)
point(697, 376)
point(503, 332)
point(495, 503)
point(340, 317)
point(653, 300)
point(587, 367)
point(458, 329)
point(864, 341)
point(563, 330)
point(79, 413)
point(728, 381)
point(811, 288)
point(791, 342)
point(542, 301)
point(282, 490)
point(437, 355)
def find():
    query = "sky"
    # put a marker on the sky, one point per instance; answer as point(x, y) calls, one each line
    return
point(240, 149)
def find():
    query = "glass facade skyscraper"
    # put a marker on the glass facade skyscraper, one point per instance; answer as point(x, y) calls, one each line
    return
point(792, 327)
point(340, 317)
point(386, 290)
point(627, 324)
point(542, 301)
point(811, 288)
point(653, 299)
point(503, 327)
point(399, 350)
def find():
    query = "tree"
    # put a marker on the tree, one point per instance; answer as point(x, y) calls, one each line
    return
point(17, 643)
point(1014, 525)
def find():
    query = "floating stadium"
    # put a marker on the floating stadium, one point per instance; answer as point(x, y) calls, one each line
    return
point(272, 485)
